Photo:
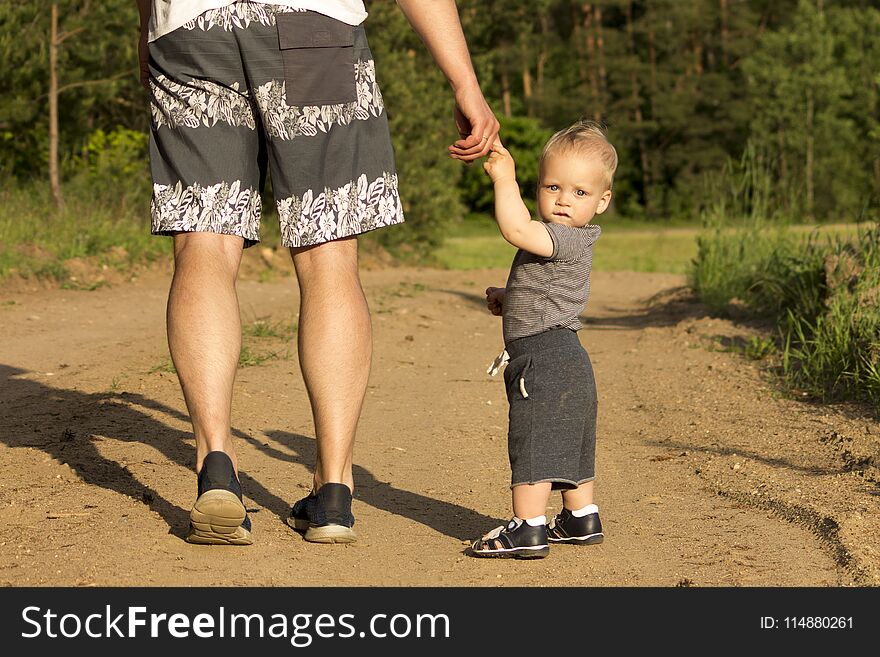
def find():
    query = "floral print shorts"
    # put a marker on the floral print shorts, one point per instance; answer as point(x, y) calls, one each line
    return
point(253, 86)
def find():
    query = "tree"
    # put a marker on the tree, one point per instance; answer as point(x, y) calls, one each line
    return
point(95, 73)
point(800, 92)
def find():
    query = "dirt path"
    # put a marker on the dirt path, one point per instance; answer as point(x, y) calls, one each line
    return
point(706, 475)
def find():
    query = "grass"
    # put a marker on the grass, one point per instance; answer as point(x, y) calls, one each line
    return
point(476, 244)
point(409, 290)
point(754, 347)
point(165, 366)
point(259, 329)
point(72, 284)
point(251, 358)
point(264, 328)
point(36, 239)
point(624, 246)
point(820, 288)
point(248, 357)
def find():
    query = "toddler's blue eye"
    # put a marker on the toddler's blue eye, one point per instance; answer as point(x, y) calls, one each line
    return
point(581, 192)
point(553, 188)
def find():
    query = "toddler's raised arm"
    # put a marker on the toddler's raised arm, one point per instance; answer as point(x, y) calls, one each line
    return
point(511, 214)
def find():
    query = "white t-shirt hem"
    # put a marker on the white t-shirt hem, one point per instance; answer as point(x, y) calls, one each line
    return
point(168, 15)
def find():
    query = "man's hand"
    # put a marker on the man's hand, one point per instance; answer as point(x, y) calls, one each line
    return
point(476, 124)
point(438, 24)
point(500, 165)
point(495, 299)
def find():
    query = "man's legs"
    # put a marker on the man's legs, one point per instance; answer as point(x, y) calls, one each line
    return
point(204, 334)
point(335, 348)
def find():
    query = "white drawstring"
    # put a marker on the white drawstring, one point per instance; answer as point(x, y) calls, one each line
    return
point(500, 361)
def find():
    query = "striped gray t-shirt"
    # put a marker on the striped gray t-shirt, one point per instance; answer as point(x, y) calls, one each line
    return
point(547, 293)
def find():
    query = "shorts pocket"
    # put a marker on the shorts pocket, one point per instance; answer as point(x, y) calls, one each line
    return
point(520, 417)
point(517, 378)
point(318, 56)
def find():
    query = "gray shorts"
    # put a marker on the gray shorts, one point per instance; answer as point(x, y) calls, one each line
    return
point(552, 419)
point(253, 85)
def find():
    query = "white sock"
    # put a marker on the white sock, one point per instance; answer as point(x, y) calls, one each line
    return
point(537, 521)
point(587, 510)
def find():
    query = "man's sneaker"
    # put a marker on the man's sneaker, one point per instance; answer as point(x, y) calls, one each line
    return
point(567, 528)
point(325, 516)
point(218, 517)
point(518, 540)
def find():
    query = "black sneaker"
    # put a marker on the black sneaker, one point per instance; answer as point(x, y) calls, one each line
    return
point(218, 517)
point(325, 516)
point(566, 528)
point(518, 540)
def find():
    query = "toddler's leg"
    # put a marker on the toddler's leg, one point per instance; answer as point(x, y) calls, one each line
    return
point(530, 500)
point(579, 497)
point(578, 523)
point(525, 536)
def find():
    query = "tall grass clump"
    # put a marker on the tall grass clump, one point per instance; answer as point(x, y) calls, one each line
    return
point(822, 293)
point(836, 352)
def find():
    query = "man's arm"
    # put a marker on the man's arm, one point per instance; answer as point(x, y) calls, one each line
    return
point(145, 9)
point(438, 25)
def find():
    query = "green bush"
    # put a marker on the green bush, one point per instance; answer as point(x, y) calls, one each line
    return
point(114, 165)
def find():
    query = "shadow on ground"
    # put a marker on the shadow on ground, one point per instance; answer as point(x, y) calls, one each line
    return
point(67, 425)
point(446, 518)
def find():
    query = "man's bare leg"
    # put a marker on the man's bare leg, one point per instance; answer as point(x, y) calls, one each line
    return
point(204, 334)
point(335, 348)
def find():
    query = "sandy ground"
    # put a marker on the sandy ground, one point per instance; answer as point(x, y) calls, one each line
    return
point(707, 474)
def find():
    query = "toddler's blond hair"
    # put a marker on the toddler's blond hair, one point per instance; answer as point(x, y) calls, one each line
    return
point(587, 138)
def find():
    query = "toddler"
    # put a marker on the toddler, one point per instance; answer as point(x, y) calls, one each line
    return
point(549, 378)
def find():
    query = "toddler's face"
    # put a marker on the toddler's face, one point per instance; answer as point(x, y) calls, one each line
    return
point(572, 190)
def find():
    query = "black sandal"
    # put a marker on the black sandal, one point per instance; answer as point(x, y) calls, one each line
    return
point(568, 528)
point(518, 540)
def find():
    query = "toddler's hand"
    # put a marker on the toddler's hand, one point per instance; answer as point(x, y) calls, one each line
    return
point(495, 299)
point(500, 164)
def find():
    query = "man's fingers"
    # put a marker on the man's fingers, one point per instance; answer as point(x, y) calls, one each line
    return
point(469, 154)
point(469, 141)
point(483, 134)
point(466, 151)
point(480, 136)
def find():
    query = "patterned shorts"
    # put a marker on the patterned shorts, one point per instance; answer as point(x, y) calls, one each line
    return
point(253, 85)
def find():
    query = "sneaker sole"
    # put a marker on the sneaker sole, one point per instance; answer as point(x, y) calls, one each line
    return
point(538, 552)
point(325, 534)
point(592, 539)
point(216, 519)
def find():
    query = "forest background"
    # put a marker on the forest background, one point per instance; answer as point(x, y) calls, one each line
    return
point(766, 106)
